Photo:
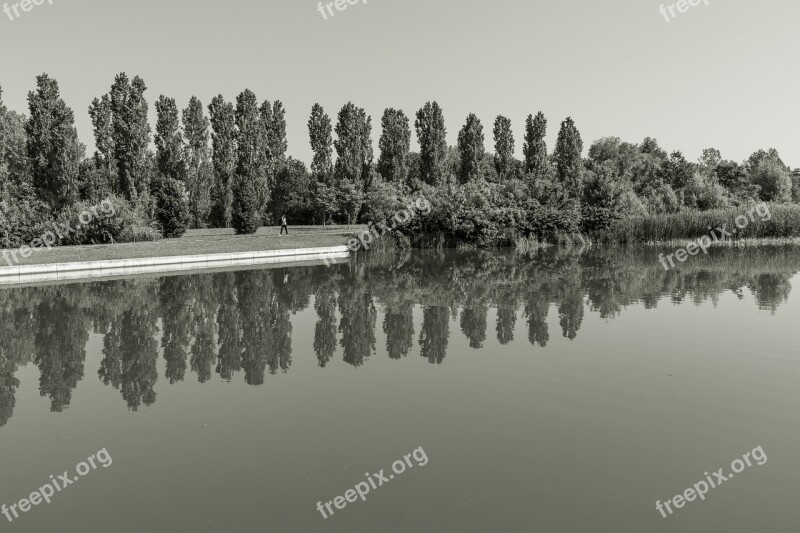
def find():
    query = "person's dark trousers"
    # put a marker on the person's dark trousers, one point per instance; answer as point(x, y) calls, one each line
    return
point(284, 228)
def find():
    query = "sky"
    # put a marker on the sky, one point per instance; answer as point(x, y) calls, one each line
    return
point(721, 75)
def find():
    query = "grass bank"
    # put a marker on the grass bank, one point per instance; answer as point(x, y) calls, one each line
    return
point(194, 242)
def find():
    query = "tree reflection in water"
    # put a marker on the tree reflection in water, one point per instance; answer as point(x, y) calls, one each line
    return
point(232, 323)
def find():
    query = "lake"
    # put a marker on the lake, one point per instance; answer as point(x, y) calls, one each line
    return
point(564, 390)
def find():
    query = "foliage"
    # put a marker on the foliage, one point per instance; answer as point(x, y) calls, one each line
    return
point(431, 135)
point(131, 137)
point(471, 150)
point(567, 156)
point(603, 198)
point(199, 175)
point(535, 148)
point(53, 147)
point(394, 144)
point(250, 192)
point(503, 148)
point(171, 206)
point(292, 193)
point(169, 140)
point(319, 132)
point(353, 147)
point(224, 160)
point(771, 175)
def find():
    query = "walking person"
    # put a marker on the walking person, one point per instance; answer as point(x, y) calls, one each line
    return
point(284, 225)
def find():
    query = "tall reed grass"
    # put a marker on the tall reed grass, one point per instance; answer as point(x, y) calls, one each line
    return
point(783, 223)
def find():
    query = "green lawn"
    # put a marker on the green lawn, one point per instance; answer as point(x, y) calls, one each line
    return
point(194, 242)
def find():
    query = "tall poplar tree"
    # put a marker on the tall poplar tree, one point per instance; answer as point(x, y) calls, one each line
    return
point(535, 148)
point(53, 147)
point(250, 184)
point(224, 157)
point(169, 139)
point(199, 174)
point(276, 135)
point(431, 135)
point(395, 144)
point(353, 145)
point(273, 119)
point(131, 136)
point(354, 150)
point(569, 165)
point(103, 127)
point(503, 147)
point(472, 150)
point(5, 179)
point(319, 132)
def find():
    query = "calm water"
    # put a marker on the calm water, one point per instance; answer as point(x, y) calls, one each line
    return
point(564, 391)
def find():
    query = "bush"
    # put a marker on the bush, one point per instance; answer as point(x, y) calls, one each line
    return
point(23, 220)
point(171, 206)
point(703, 193)
point(112, 220)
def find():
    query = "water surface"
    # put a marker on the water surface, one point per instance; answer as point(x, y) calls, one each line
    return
point(566, 390)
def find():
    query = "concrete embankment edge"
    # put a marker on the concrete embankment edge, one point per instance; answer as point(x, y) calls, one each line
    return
point(146, 265)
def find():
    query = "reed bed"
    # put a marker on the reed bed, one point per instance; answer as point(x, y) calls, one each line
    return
point(783, 223)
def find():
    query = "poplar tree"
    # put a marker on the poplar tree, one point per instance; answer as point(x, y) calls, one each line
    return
point(276, 135)
point(354, 161)
point(199, 175)
point(52, 145)
point(471, 149)
point(535, 147)
point(131, 136)
point(395, 144)
point(273, 119)
point(503, 147)
point(431, 135)
point(5, 181)
point(569, 165)
point(103, 127)
point(319, 132)
point(353, 145)
point(224, 158)
point(169, 140)
point(249, 185)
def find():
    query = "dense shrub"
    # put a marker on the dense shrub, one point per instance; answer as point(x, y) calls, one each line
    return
point(774, 180)
point(22, 221)
point(171, 206)
point(112, 220)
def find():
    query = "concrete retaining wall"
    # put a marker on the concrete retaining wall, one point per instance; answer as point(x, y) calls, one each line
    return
point(147, 265)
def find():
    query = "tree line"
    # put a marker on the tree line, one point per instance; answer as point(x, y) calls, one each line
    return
point(226, 165)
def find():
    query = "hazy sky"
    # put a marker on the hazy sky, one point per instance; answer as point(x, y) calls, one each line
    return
point(724, 74)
